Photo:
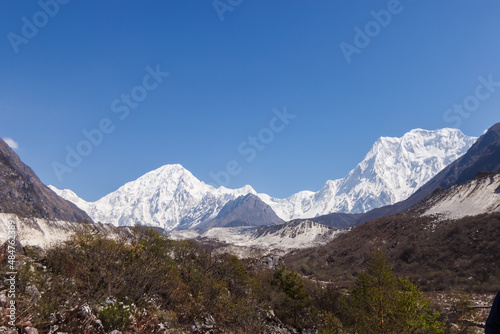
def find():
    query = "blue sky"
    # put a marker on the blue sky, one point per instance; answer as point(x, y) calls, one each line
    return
point(71, 67)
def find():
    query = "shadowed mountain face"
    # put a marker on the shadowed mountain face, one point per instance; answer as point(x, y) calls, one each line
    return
point(247, 210)
point(338, 220)
point(22, 193)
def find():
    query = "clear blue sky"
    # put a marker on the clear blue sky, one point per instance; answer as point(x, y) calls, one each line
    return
point(226, 76)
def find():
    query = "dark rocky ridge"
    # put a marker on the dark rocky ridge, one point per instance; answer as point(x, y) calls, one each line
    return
point(246, 210)
point(22, 193)
point(337, 220)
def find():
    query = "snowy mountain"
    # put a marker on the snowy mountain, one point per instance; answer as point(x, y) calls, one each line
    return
point(168, 197)
point(171, 197)
point(392, 170)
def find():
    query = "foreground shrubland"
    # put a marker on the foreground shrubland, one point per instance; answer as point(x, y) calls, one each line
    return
point(148, 284)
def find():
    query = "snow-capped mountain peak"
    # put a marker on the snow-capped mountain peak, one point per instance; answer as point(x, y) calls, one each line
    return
point(394, 168)
point(169, 197)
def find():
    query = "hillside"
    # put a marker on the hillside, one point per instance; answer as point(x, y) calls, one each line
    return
point(23, 194)
point(450, 254)
point(477, 196)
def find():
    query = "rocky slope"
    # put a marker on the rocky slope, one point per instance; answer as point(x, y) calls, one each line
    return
point(477, 196)
point(23, 194)
point(246, 210)
point(278, 239)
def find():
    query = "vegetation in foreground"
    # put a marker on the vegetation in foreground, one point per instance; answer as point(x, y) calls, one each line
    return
point(94, 284)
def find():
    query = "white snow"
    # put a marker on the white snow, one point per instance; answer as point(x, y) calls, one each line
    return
point(168, 197)
point(392, 170)
point(172, 198)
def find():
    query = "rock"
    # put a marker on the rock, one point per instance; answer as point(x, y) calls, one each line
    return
point(33, 292)
point(110, 300)
point(3, 298)
point(6, 330)
point(270, 262)
point(17, 246)
point(30, 330)
point(115, 332)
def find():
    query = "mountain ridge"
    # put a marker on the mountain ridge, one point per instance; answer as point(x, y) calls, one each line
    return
point(448, 229)
point(23, 194)
point(482, 156)
point(247, 210)
point(171, 197)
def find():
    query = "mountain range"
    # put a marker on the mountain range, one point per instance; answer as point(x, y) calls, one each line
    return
point(170, 197)
point(444, 235)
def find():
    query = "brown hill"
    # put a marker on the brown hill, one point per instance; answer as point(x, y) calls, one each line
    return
point(22, 193)
point(450, 254)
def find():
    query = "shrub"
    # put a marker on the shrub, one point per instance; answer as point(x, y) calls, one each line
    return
point(383, 303)
point(115, 316)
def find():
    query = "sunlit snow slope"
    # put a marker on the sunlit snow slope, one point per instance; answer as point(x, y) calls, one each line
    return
point(171, 197)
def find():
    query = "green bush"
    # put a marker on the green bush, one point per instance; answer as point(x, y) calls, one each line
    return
point(383, 303)
point(115, 316)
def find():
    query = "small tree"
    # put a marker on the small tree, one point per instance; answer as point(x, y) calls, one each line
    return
point(292, 299)
point(382, 303)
